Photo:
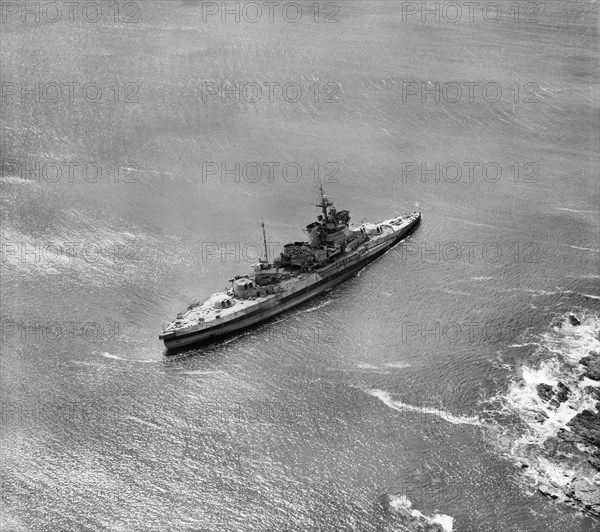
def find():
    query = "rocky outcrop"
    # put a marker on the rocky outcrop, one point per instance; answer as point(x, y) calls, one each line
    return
point(594, 391)
point(586, 493)
point(594, 459)
point(574, 449)
point(555, 396)
point(586, 424)
point(562, 394)
point(552, 492)
point(545, 391)
point(592, 365)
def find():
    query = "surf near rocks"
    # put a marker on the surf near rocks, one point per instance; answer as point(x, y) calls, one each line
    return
point(556, 444)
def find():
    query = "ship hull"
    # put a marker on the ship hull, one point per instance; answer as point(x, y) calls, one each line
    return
point(285, 303)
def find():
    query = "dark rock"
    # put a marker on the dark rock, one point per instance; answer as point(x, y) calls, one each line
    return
point(545, 391)
point(594, 459)
point(562, 393)
point(587, 425)
point(541, 417)
point(573, 320)
point(569, 436)
point(592, 364)
point(563, 388)
point(594, 391)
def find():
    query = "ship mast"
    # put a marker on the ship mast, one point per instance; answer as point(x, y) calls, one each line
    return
point(324, 202)
point(262, 223)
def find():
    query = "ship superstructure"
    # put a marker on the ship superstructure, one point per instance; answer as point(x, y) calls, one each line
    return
point(335, 250)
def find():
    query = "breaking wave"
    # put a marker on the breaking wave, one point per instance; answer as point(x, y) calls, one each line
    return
point(387, 399)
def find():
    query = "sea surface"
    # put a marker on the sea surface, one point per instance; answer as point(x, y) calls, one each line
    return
point(401, 385)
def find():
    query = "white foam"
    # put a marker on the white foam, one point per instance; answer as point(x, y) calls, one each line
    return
point(106, 354)
point(560, 349)
point(586, 382)
point(317, 307)
point(386, 398)
point(446, 522)
point(396, 365)
point(591, 296)
point(364, 365)
point(399, 365)
point(585, 249)
point(143, 422)
point(13, 179)
point(370, 368)
point(399, 503)
point(403, 504)
point(524, 345)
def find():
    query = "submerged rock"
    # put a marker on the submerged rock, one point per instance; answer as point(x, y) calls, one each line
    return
point(573, 320)
point(545, 391)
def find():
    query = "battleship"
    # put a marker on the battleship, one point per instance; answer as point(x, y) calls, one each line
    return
point(336, 249)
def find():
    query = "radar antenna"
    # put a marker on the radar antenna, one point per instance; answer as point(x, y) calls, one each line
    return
point(262, 223)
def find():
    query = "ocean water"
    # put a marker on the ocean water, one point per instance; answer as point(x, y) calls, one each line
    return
point(406, 386)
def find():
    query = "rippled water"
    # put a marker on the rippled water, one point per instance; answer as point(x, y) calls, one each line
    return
point(395, 384)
